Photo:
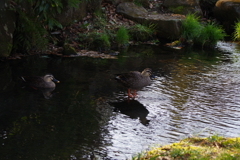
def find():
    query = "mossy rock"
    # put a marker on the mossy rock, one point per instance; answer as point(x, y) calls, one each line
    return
point(177, 9)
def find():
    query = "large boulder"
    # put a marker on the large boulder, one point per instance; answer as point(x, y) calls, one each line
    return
point(227, 12)
point(183, 6)
point(7, 21)
point(131, 11)
point(168, 25)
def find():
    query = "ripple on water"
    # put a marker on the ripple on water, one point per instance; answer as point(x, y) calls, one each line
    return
point(194, 99)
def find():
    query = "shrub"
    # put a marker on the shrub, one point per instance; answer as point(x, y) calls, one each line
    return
point(122, 36)
point(236, 33)
point(28, 35)
point(33, 21)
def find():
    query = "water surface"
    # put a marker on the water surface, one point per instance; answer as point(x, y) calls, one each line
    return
point(88, 116)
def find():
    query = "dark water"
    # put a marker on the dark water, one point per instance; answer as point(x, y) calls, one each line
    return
point(87, 116)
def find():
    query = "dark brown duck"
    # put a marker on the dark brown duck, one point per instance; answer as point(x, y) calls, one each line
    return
point(46, 81)
point(135, 80)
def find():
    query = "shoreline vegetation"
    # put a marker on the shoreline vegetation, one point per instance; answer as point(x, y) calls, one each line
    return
point(99, 32)
point(214, 147)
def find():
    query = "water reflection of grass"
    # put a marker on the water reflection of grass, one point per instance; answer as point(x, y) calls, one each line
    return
point(213, 147)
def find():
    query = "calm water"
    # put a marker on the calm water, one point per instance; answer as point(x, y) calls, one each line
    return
point(87, 116)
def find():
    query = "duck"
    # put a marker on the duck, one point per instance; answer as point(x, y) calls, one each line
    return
point(135, 80)
point(46, 81)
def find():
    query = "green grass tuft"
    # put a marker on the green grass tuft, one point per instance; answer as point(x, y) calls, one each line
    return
point(142, 33)
point(236, 33)
point(191, 27)
point(194, 32)
point(122, 36)
point(210, 34)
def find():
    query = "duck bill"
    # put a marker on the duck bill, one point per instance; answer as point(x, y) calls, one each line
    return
point(55, 80)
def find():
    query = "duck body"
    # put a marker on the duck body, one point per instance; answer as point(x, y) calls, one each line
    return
point(135, 80)
point(46, 81)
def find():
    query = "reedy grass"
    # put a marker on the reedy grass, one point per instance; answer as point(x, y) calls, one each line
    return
point(122, 36)
point(191, 28)
point(236, 33)
point(210, 35)
point(195, 32)
point(142, 33)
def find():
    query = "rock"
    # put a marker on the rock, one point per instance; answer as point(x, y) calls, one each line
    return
point(227, 12)
point(131, 11)
point(183, 6)
point(168, 25)
point(207, 8)
point(7, 21)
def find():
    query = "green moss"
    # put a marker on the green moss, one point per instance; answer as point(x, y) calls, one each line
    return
point(177, 10)
point(211, 148)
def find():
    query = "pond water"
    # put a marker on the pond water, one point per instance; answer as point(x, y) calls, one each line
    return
point(88, 116)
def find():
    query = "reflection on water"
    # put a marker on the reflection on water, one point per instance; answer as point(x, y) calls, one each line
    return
point(88, 115)
point(133, 109)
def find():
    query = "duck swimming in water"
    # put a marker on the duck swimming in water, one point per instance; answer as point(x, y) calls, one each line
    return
point(46, 81)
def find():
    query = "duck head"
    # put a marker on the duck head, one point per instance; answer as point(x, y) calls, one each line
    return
point(147, 72)
point(49, 78)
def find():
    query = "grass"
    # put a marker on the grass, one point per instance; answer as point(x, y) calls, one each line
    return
point(210, 35)
point(142, 33)
point(212, 148)
point(200, 34)
point(191, 28)
point(122, 36)
point(94, 40)
point(236, 33)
